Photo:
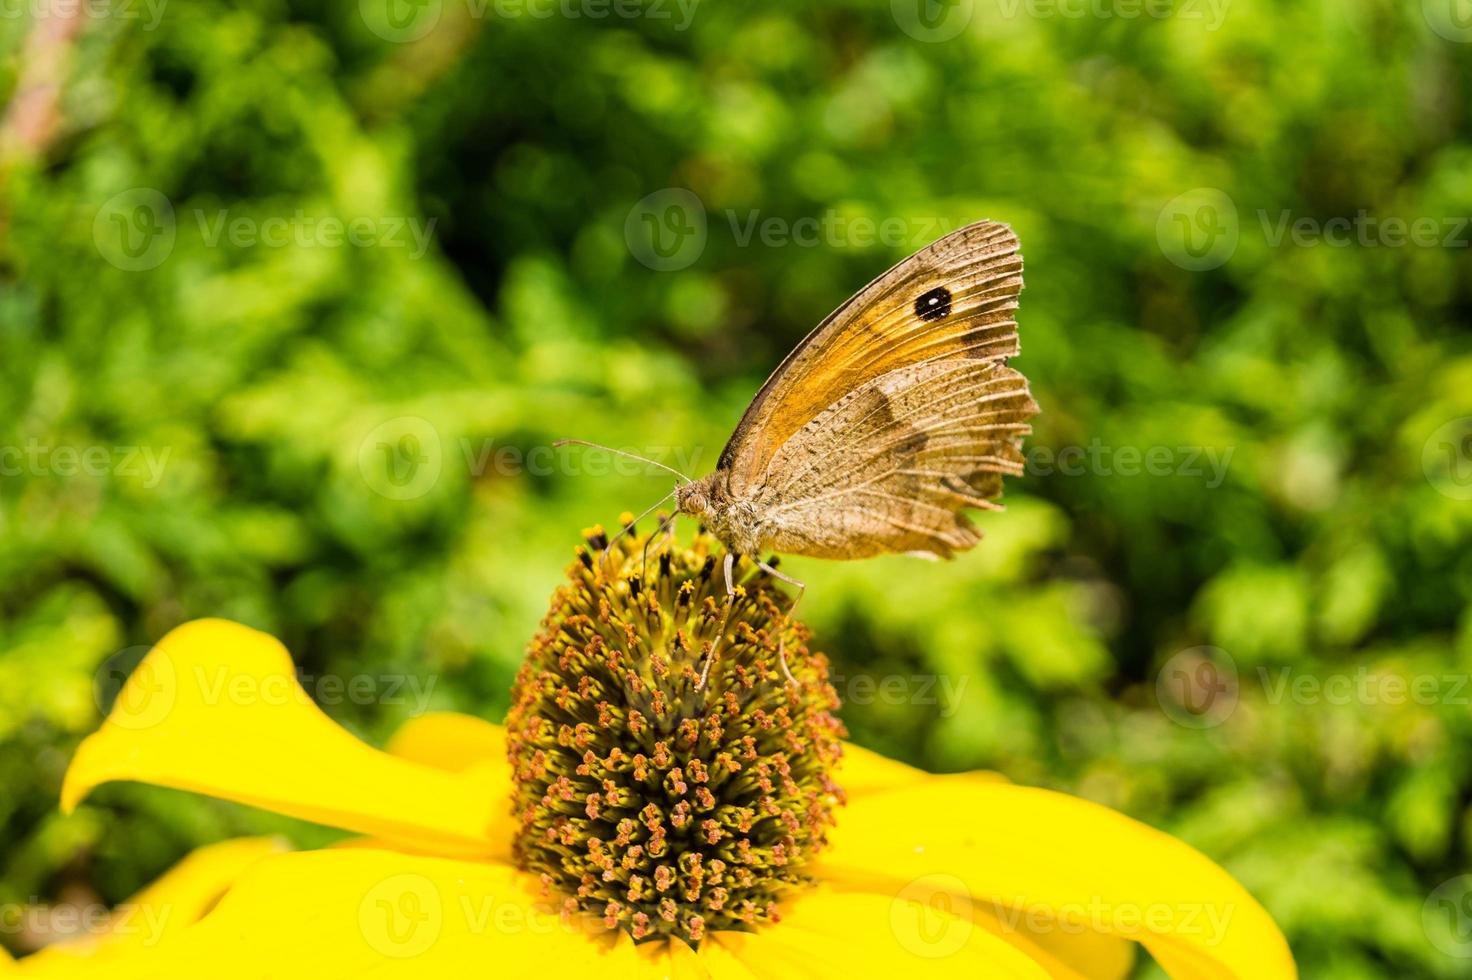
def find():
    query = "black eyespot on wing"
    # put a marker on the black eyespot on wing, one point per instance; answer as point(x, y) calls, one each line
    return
point(934, 305)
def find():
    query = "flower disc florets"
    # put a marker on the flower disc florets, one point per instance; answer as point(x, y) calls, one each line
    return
point(668, 806)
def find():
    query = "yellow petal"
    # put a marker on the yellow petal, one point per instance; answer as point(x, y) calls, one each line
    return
point(453, 742)
point(1043, 863)
point(862, 771)
point(353, 913)
point(1066, 954)
point(718, 962)
point(167, 907)
point(194, 886)
point(654, 959)
point(827, 933)
point(215, 708)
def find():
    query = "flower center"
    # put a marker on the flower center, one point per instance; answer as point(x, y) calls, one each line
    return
point(668, 806)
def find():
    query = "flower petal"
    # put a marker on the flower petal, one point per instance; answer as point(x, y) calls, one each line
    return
point(1041, 862)
point(352, 913)
point(215, 708)
point(718, 962)
point(863, 771)
point(828, 933)
point(171, 904)
point(1066, 953)
point(192, 887)
point(453, 742)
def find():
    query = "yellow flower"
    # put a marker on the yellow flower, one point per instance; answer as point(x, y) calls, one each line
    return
point(473, 865)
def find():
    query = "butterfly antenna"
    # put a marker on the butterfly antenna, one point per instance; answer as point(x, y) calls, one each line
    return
point(630, 525)
point(620, 452)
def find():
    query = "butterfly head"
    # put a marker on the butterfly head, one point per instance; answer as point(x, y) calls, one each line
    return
point(697, 498)
point(736, 523)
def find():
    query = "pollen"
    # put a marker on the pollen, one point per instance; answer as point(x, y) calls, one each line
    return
point(665, 805)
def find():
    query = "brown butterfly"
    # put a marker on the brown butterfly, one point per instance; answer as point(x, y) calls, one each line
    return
point(889, 420)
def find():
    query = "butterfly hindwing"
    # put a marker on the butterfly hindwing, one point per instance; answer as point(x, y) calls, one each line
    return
point(893, 465)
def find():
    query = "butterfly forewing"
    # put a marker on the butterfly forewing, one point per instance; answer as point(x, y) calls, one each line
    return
point(955, 298)
point(896, 413)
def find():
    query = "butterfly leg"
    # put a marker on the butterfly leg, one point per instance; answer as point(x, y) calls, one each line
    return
point(801, 591)
point(629, 527)
point(729, 570)
point(664, 522)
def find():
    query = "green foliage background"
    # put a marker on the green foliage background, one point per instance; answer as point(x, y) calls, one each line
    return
point(263, 377)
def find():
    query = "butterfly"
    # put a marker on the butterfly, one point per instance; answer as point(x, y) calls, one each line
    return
point(897, 414)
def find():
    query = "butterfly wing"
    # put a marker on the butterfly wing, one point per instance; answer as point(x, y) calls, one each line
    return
point(897, 412)
point(892, 465)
